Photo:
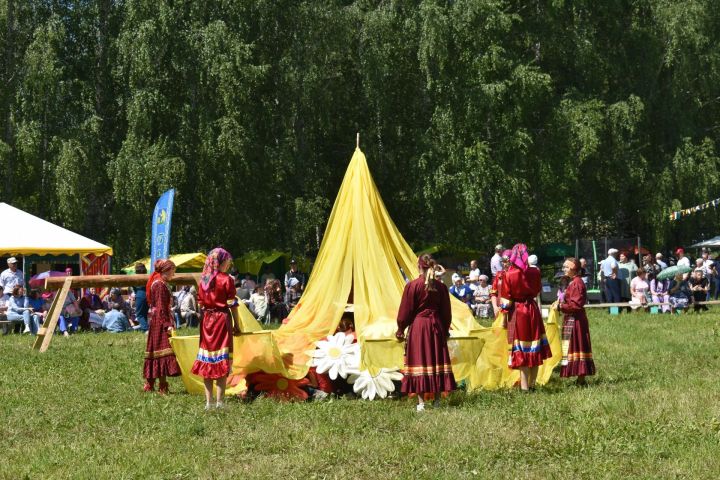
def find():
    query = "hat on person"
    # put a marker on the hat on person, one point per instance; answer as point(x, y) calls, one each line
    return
point(292, 261)
point(612, 251)
point(498, 247)
point(483, 277)
point(456, 277)
point(115, 291)
point(293, 282)
point(709, 263)
point(532, 260)
point(658, 255)
point(679, 251)
point(12, 260)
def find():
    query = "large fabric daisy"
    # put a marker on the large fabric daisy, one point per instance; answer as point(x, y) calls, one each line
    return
point(369, 386)
point(279, 387)
point(337, 355)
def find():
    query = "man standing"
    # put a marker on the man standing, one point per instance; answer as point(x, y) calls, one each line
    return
point(683, 261)
point(296, 274)
point(11, 278)
point(496, 261)
point(610, 274)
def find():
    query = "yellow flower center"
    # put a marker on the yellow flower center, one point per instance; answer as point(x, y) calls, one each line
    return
point(334, 352)
point(282, 384)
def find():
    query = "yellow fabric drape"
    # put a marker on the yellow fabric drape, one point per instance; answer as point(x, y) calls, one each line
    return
point(364, 253)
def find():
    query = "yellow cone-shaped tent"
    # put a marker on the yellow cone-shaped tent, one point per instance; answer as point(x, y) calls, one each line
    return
point(362, 253)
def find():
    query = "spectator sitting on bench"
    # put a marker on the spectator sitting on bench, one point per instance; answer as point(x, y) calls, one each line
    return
point(19, 311)
point(699, 288)
point(37, 303)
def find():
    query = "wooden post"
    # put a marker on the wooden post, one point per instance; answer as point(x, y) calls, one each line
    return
point(45, 333)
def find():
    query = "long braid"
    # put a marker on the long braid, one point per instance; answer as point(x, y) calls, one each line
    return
point(426, 263)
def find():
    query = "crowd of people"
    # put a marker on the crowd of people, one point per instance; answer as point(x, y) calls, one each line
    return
point(509, 295)
point(124, 310)
point(622, 280)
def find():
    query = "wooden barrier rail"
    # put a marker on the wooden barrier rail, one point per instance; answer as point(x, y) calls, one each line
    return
point(65, 284)
point(87, 281)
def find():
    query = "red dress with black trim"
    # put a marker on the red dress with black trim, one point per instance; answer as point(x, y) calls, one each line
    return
point(529, 346)
point(426, 315)
point(214, 358)
point(577, 357)
point(159, 356)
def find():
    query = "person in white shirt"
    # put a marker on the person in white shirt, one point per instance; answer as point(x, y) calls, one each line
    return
point(683, 261)
point(11, 278)
point(659, 261)
point(474, 270)
point(609, 269)
point(496, 265)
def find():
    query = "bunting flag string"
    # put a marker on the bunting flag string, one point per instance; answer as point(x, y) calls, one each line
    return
point(687, 211)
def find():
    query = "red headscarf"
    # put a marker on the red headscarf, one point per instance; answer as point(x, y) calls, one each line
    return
point(162, 265)
point(215, 258)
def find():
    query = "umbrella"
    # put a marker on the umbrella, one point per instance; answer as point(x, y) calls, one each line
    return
point(39, 279)
point(670, 272)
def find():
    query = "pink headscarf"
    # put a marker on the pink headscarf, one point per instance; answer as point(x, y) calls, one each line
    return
point(215, 258)
point(506, 254)
point(519, 256)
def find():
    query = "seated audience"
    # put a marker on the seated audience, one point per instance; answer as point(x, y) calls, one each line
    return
point(481, 298)
point(259, 305)
point(659, 292)
point(19, 312)
point(189, 308)
point(680, 293)
point(639, 289)
point(699, 288)
point(115, 320)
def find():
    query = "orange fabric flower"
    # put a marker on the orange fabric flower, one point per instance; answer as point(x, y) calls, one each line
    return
point(279, 387)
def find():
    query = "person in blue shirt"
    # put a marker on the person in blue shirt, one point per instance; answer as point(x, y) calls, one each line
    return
point(115, 321)
point(37, 303)
point(19, 311)
point(609, 269)
point(460, 291)
point(141, 305)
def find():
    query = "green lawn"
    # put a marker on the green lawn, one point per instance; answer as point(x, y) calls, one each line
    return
point(653, 411)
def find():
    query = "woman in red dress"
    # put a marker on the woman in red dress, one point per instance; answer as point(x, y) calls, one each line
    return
point(160, 359)
point(217, 293)
point(529, 346)
point(425, 312)
point(577, 358)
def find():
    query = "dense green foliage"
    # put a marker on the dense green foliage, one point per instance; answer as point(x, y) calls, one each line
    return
point(482, 120)
point(77, 411)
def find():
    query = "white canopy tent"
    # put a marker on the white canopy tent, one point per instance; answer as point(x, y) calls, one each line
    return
point(25, 234)
point(713, 242)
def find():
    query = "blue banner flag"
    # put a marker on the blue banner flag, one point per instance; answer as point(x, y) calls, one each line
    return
point(162, 219)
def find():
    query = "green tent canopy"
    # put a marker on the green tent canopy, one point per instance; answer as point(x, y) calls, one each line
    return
point(554, 250)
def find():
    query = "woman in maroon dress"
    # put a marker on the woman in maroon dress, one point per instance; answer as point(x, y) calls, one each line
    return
point(217, 293)
point(529, 346)
point(425, 312)
point(577, 358)
point(160, 359)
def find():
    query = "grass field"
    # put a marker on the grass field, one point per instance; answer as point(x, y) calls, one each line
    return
point(653, 411)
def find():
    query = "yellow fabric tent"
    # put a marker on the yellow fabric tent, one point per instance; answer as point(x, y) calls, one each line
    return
point(185, 262)
point(364, 253)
